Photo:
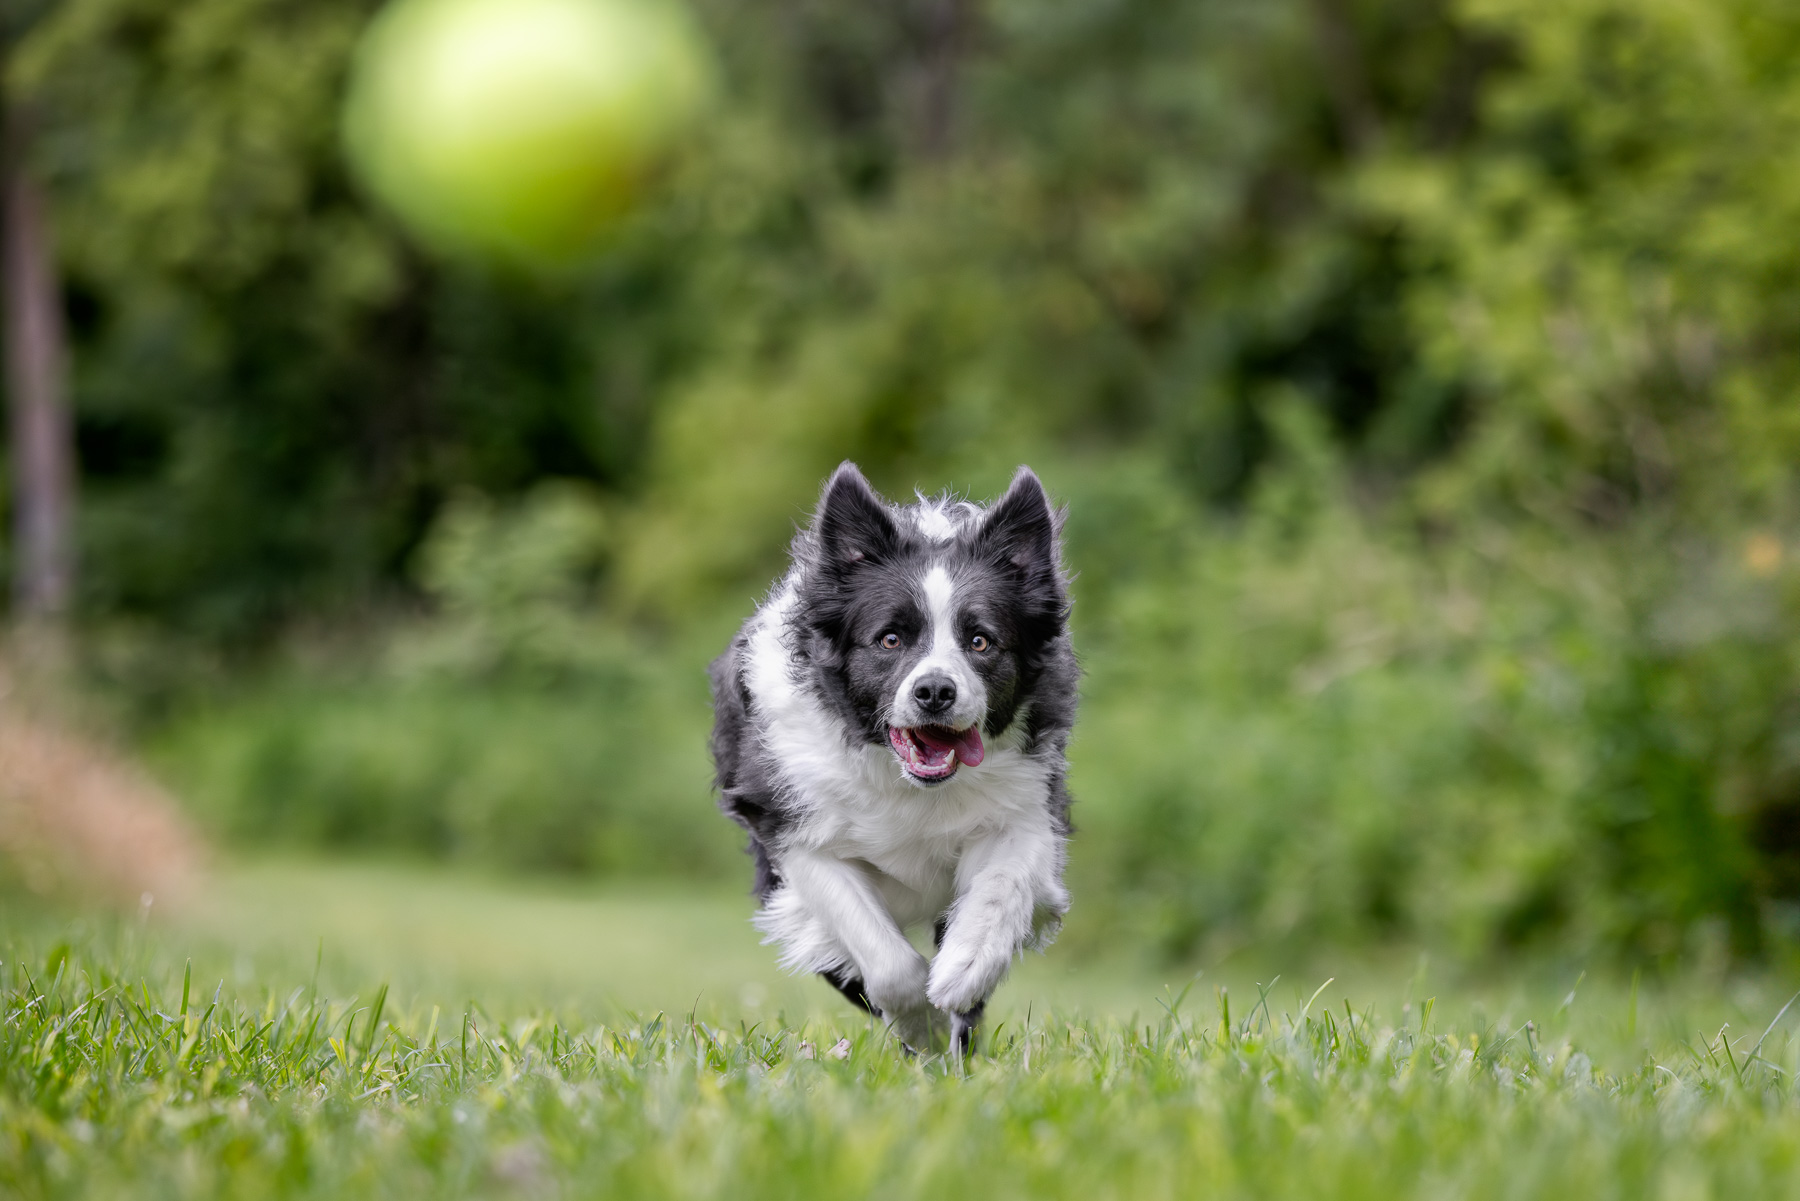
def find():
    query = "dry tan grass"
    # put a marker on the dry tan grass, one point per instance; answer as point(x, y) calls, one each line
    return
point(79, 818)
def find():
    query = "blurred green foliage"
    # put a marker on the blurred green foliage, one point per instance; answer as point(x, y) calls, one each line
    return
point(588, 779)
point(1421, 377)
point(515, 727)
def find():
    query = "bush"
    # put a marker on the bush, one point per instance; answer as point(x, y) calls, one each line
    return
point(584, 779)
point(1359, 732)
point(512, 727)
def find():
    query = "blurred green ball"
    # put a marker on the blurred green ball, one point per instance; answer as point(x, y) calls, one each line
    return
point(520, 129)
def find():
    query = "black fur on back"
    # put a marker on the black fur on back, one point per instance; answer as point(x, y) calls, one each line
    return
point(747, 788)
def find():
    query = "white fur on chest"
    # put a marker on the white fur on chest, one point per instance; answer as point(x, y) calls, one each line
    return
point(852, 800)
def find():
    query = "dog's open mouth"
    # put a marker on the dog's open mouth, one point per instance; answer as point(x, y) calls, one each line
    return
point(933, 752)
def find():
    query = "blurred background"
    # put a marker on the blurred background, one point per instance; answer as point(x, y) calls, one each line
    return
point(1422, 377)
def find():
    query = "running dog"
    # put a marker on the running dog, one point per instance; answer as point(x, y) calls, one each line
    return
point(890, 726)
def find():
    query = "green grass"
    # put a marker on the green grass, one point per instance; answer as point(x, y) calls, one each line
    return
point(222, 1054)
point(442, 935)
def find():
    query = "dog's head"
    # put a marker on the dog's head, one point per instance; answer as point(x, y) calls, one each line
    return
point(930, 623)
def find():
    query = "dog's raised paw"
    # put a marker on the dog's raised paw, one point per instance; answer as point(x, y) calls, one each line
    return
point(962, 978)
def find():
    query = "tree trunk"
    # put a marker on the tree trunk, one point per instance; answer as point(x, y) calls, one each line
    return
point(1346, 82)
point(939, 32)
point(948, 25)
point(41, 430)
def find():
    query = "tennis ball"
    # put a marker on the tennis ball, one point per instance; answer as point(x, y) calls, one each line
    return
point(520, 129)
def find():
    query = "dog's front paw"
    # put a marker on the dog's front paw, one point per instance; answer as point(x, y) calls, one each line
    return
point(897, 987)
point(916, 1028)
point(962, 976)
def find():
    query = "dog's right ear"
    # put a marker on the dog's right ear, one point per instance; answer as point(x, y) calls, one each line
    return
point(852, 524)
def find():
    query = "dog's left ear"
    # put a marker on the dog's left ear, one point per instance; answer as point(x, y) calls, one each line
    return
point(1020, 530)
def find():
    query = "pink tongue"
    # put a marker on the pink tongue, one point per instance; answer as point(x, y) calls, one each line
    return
point(966, 743)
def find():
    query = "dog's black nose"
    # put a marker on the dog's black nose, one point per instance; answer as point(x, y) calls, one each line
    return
point(935, 694)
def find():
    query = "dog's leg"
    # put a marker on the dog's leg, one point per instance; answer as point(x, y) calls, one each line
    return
point(962, 1031)
point(841, 899)
point(1001, 881)
point(962, 1025)
point(851, 985)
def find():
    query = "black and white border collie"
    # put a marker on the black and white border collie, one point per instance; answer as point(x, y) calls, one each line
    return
point(890, 727)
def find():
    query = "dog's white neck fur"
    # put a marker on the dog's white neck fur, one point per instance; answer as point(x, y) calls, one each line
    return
point(870, 853)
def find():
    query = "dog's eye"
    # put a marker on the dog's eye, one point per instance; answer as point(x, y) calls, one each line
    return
point(978, 643)
point(890, 642)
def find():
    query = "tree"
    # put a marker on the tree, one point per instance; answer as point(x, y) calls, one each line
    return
point(40, 429)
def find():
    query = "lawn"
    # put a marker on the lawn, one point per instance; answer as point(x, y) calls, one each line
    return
point(343, 1031)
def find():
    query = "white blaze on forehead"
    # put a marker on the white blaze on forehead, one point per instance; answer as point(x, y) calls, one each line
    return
point(935, 524)
point(943, 656)
point(940, 603)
